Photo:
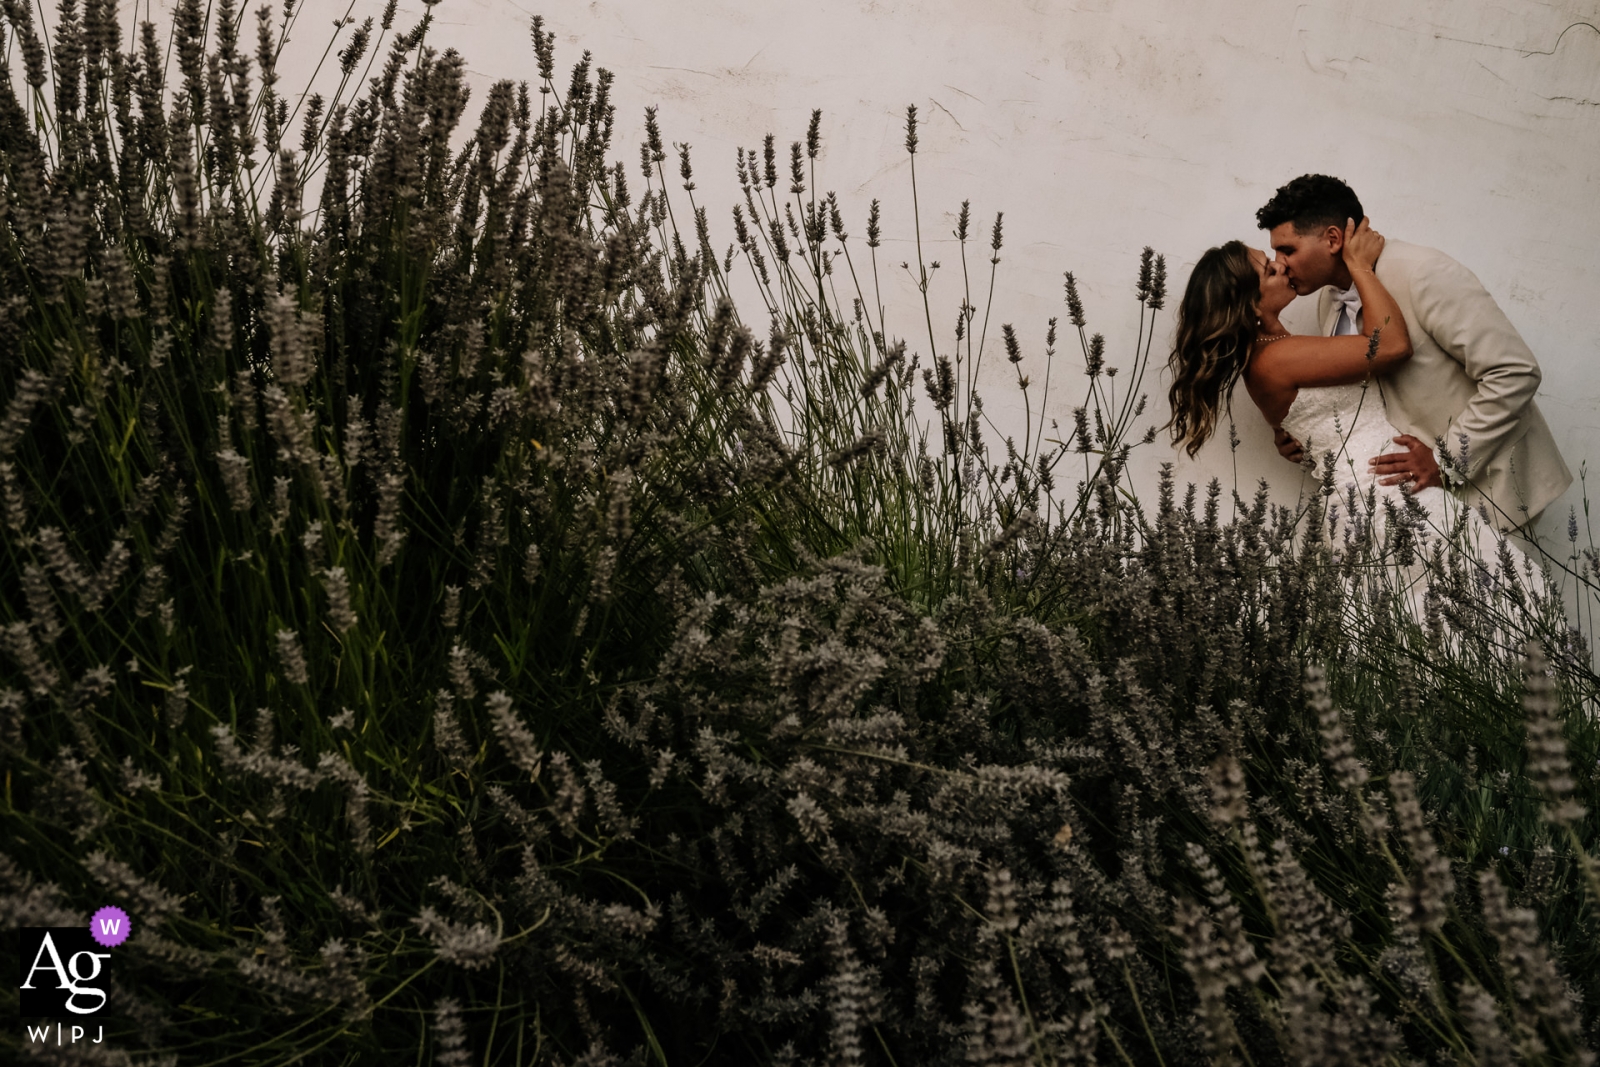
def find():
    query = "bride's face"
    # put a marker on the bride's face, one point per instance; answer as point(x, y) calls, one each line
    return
point(1276, 292)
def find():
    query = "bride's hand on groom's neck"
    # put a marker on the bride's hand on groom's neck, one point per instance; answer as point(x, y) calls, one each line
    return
point(1362, 245)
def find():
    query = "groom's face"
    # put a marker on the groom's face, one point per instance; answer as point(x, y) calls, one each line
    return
point(1312, 259)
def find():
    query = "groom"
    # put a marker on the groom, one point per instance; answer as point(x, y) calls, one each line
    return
point(1470, 381)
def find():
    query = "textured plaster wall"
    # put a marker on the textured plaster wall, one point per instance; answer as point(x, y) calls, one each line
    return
point(1100, 126)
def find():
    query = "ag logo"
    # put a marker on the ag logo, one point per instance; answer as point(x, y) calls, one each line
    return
point(62, 967)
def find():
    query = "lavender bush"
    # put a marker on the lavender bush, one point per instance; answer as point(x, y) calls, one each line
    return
point(452, 629)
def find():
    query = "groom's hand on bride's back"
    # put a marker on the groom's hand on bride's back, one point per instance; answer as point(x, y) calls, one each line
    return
point(1417, 465)
point(1288, 447)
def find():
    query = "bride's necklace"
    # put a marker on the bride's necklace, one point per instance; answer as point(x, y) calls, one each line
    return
point(1274, 337)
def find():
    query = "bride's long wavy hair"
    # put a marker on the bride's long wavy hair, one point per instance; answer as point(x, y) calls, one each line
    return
point(1216, 329)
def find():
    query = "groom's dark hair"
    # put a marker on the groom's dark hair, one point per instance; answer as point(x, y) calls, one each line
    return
point(1311, 202)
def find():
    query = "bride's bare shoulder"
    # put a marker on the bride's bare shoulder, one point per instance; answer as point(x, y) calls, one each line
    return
point(1270, 380)
point(1274, 365)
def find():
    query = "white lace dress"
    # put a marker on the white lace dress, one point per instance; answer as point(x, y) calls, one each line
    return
point(1349, 421)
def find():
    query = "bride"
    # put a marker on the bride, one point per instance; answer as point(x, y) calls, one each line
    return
point(1317, 389)
point(1323, 391)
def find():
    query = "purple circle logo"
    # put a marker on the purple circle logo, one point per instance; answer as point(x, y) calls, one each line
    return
point(110, 926)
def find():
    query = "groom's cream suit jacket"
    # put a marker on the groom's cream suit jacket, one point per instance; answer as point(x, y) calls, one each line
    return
point(1470, 374)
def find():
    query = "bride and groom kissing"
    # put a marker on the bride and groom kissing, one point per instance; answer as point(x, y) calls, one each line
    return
point(1454, 381)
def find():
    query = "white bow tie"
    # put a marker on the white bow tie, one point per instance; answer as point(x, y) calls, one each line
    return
point(1349, 300)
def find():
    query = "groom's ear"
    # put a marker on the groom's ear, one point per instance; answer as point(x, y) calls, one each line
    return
point(1333, 236)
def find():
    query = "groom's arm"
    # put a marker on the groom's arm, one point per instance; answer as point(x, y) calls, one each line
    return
point(1454, 308)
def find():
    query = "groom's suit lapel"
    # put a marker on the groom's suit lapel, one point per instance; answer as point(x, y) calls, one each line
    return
point(1327, 311)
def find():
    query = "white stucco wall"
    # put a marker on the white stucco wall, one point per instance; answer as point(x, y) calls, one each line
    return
point(1100, 126)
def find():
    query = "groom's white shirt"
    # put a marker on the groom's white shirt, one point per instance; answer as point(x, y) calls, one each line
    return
point(1348, 302)
point(1470, 376)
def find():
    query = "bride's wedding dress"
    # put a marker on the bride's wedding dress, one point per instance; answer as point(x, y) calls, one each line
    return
point(1349, 422)
point(1376, 522)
